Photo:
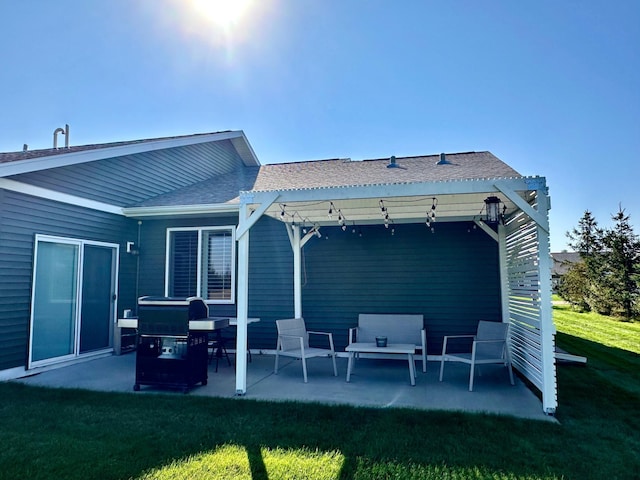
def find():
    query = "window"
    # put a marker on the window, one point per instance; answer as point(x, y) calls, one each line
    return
point(201, 262)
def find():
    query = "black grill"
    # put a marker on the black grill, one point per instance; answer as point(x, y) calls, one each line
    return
point(168, 353)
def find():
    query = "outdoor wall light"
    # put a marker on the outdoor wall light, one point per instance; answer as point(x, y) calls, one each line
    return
point(492, 210)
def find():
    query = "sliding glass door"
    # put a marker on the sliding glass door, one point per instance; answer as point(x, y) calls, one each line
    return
point(73, 300)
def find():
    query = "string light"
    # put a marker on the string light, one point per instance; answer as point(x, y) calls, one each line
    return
point(343, 223)
point(431, 214)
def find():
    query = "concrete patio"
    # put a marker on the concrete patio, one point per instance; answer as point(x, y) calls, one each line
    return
point(374, 383)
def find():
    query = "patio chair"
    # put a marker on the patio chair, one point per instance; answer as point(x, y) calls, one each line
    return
point(293, 341)
point(489, 346)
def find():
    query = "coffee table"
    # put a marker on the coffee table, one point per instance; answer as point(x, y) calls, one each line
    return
point(362, 347)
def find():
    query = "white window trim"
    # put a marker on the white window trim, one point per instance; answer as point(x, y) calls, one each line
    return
point(200, 230)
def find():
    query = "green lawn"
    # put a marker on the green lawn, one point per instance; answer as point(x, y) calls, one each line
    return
point(71, 434)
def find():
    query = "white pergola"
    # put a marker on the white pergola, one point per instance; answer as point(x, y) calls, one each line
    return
point(523, 241)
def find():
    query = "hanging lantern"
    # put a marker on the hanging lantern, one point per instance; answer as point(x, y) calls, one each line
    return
point(492, 208)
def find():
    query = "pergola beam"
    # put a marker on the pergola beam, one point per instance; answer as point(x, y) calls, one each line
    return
point(384, 191)
point(540, 218)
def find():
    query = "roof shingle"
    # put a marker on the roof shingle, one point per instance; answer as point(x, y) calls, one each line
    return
point(336, 173)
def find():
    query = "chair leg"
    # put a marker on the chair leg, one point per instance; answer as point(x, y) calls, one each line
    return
point(510, 373)
point(473, 365)
point(335, 370)
point(442, 357)
point(275, 369)
point(304, 369)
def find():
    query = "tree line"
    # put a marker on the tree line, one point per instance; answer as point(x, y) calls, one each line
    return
point(607, 278)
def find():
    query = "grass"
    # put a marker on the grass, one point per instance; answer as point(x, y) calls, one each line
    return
point(74, 434)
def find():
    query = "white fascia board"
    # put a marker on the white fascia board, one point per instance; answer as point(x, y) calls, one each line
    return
point(387, 190)
point(74, 158)
point(245, 150)
point(180, 210)
point(40, 192)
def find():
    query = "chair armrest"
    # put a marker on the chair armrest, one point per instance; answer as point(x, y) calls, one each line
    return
point(460, 336)
point(353, 334)
point(447, 337)
point(319, 333)
point(490, 341)
point(327, 334)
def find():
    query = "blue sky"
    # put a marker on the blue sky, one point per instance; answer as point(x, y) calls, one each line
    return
point(550, 87)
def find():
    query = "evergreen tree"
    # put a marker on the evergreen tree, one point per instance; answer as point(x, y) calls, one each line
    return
point(622, 253)
point(611, 269)
point(586, 239)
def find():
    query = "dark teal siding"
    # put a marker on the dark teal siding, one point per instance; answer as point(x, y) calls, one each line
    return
point(270, 271)
point(21, 218)
point(450, 276)
point(126, 180)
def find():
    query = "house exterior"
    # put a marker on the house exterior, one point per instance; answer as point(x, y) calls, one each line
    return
point(561, 263)
point(85, 231)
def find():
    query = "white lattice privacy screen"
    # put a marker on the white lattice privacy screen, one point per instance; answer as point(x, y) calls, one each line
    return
point(529, 302)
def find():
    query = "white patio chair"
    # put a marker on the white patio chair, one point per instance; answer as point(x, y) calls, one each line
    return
point(293, 341)
point(489, 346)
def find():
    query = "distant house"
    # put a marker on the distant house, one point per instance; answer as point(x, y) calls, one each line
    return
point(86, 230)
point(562, 261)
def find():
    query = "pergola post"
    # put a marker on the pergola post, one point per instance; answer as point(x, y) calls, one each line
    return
point(297, 272)
point(548, 329)
point(504, 274)
point(243, 303)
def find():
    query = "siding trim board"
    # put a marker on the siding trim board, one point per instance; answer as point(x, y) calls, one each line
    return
point(45, 193)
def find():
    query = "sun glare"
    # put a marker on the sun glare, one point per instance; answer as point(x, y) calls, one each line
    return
point(223, 13)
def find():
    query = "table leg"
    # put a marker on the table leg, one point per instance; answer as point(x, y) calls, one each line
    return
point(412, 370)
point(349, 366)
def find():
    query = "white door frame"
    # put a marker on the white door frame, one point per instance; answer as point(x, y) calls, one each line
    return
point(80, 243)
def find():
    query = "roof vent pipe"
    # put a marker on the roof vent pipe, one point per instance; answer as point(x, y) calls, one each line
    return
point(55, 136)
point(65, 132)
point(443, 160)
point(392, 162)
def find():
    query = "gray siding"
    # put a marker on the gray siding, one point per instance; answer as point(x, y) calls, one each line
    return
point(130, 179)
point(21, 218)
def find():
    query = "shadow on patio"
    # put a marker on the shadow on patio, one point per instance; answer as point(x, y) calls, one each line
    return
point(374, 383)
